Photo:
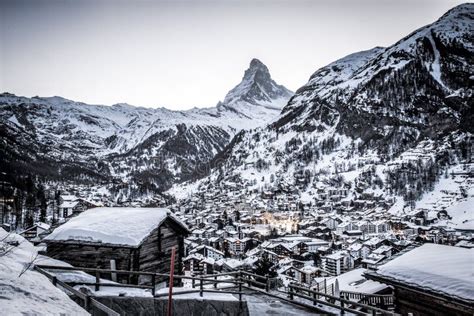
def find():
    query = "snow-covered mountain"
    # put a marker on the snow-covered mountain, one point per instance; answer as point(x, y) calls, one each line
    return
point(386, 122)
point(67, 139)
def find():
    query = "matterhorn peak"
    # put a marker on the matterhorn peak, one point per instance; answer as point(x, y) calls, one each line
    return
point(257, 87)
point(256, 64)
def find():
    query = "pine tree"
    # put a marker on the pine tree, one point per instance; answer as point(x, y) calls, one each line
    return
point(265, 267)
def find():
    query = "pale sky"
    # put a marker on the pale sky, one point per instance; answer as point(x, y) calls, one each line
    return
point(182, 54)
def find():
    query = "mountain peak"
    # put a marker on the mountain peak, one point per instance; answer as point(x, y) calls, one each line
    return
point(257, 71)
point(257, 64)
point(257, 87)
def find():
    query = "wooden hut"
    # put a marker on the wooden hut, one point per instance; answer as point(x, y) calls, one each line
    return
point(136, 239)
point(430, 280)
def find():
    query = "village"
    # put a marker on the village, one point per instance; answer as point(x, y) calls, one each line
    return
point(331, 244)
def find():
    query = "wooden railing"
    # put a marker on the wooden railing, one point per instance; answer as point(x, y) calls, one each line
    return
point(339, 303)
point(239, 281)
point(88, 302)
point(369, 299)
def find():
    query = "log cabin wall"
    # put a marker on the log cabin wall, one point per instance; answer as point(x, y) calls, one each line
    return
point(407, 301)
point(153, 254)
point(90, 256)
point(155, 251)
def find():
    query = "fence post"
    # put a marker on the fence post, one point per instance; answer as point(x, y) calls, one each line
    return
point(291, 293)
point(325, 287)
point(267, 285)
point(113, 266)
point(317, 286)
point(97, 280)
point(342, 304)
point(314, 298)
point(87, 303)
point(200, 287)
point(153, 284)
point(215, 284)
point(240, 286)
point(54, 280)
point(193, 283)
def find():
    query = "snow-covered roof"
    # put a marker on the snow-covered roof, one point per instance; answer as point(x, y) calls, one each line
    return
point(112, 225)
point(354, 281)
point(68, 204)
point(439, 268)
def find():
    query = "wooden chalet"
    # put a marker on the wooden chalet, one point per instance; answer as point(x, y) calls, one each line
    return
point(35, 232)
point(430, 280)
point(136, 239)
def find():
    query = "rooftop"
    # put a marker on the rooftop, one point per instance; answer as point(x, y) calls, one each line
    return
point(112, 225)
point(443, 269)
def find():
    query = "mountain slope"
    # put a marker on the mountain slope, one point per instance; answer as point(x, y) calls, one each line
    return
point(66, 140)
point(386, 122)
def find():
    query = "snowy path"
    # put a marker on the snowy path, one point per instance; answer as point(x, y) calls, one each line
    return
point(260, 305)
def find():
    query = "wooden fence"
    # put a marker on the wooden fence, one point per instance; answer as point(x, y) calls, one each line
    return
point(239, 282)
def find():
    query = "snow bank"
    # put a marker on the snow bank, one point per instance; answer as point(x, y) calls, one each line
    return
point(440, 268)
point(31, 293)
point(111, 225)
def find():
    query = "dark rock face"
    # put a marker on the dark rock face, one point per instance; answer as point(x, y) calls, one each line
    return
point(153, 306)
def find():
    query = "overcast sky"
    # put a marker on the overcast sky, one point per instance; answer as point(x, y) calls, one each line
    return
point(181, 54)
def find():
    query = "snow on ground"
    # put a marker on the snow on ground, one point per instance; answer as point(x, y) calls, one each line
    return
point(115, 291)
point(206, 295)
point(31, 293)
point(259, 305)
point(445, 269)
point(462, 214)
point(113, 225)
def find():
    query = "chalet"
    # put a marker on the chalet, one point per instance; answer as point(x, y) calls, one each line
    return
point(430, 280)
point(306, 274)
point(234, 245)
point(208, 252)
point(74, 206)
point(372, 260)
point(198, 264)
point(35, 232)
point(137, 239)
point(337, 263)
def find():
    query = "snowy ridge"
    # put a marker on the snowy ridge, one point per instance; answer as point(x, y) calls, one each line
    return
point(438, 54)
point(133, 144)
